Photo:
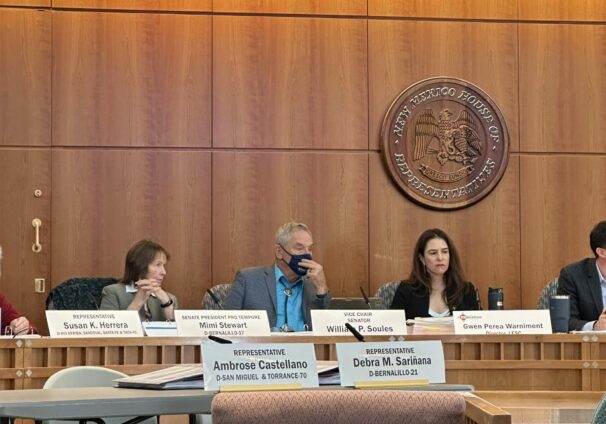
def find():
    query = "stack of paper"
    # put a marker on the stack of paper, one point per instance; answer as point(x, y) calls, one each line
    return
point(432, 325)
point(177, 377)
point(328, 373)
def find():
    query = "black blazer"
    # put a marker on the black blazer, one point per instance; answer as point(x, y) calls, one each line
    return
point(581, 282)
point(416, 303)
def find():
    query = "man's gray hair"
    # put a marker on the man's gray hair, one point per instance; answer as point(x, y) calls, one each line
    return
point(285, 231)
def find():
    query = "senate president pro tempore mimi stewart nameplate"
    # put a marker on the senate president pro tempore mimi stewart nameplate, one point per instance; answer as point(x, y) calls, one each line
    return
point(445, 143)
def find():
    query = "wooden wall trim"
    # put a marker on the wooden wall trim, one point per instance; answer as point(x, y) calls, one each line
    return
point(143, 5)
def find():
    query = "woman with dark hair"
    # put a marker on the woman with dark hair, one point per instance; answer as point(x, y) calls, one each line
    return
point(141, 286)
point(436, 285)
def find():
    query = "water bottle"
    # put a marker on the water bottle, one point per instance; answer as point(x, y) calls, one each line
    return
point(559, 311)
point(495, 298)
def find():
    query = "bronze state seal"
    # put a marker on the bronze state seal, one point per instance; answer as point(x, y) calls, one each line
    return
point(445, 143)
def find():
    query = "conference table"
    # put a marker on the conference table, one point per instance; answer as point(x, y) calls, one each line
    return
point(545, 407)
point(552, 378)
point(561, 362)
point(43, 404)
point(486, 407)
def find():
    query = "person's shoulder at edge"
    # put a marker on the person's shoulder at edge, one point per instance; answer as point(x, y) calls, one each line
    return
point(579, 265)
point(114, 286)
point(572, 270)
point(471, 296)
point(404, 288)
point(253, 269)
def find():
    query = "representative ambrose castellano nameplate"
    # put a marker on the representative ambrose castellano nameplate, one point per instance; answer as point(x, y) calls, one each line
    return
point(245, 366)
point(445, 143)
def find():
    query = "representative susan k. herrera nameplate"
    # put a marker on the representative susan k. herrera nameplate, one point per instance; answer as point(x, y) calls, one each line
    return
point(379, 322)
point(421, 362)
point(94, 324)
point(197, 323)
point(502, 322)
point(245, 366)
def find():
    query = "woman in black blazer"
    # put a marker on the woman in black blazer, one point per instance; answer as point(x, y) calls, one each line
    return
point(436, 285)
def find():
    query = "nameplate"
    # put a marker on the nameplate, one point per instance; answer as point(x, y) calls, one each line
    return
point(391, 362)
point(331, 322)
point(245, 365)
point(502, 322)
point(197, 323)
point(160, 328)
point(94, 324)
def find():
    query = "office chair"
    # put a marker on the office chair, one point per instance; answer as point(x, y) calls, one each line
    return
point(82, 293)
point(386, 293)
point(88, 376)
point(221, 291)
point(549, 290)
point(599, 416)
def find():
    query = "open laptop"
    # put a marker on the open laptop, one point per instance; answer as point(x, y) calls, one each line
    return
point(354, 303)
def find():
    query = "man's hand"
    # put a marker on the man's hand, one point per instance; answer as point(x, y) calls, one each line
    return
point(315, 274)
point(600, 324)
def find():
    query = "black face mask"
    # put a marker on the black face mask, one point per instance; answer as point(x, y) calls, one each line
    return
point(294, 262)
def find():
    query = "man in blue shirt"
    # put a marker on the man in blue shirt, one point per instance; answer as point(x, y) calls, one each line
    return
point(288, 289)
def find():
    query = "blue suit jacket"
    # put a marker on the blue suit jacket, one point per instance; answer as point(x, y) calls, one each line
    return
point(255, 289)
point(581, 282)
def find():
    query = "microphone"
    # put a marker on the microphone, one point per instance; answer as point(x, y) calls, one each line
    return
point(478, 299)
point(214, 297)
point(218, 339)
point(366, 299)
point(355, 332)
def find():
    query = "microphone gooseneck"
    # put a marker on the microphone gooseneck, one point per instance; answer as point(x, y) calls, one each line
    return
point(355, 332)
point(218, 339)
point(366, 299)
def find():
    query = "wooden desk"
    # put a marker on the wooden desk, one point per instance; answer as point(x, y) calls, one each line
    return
point(43, 404)
point(564, 362)
point(545, 407)
point(96, 402)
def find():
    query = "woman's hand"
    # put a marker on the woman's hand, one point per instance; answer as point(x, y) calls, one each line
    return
point(19, 325)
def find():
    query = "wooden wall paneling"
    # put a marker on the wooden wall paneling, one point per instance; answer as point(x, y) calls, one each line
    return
point(562, 88)
point(106, 200)
point(21, 172)
point(26, 3)
point(156, 5)
point(131, 79)
point(289, 82)
point(312, 7)
point(255, 193)
point(487, 234)
point(404, 52)
point(563, 10)
point(25, 91)
point(449, 9)
point(562, 198)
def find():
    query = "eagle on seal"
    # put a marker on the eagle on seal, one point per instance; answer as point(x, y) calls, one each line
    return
point(456, 139)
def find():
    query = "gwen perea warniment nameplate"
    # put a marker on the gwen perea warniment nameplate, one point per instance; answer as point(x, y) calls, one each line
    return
point(445, 143)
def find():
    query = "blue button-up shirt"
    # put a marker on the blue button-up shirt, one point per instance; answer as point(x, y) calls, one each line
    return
point(290, 307)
